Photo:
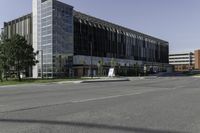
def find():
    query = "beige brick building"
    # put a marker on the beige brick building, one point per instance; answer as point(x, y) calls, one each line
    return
point(185, 61)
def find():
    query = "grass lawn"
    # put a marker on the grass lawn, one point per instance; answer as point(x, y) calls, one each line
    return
point(191, 74)
point(197, 75)
point(29, 81)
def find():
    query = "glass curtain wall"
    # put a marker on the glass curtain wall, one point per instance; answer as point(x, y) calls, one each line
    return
point(62, 39)
point(53, 37)
point(45, 39)
point(116, 43)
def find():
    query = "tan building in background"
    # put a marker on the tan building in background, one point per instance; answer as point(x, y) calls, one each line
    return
point(183, 62)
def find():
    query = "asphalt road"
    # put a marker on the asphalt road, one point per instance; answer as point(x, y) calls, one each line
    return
point(153, 105)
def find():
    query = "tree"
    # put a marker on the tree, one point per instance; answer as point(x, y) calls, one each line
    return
point(1, 63)
point(137, 69)
point(4, 61)
point(100, 67)
point(113, 63)
point(21, 55)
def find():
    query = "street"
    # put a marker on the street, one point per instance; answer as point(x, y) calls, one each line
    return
point(150, 105)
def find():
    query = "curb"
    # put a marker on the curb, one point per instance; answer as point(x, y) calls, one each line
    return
point(66, 82)
point(105, 80)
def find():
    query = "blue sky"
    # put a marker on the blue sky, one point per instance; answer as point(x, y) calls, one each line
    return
point(176, 21)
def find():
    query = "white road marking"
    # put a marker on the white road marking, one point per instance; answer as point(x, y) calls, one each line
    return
point(178, 87)
point(122, 95)
point(103, 98)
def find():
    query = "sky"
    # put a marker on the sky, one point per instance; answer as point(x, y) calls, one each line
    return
point(176, 21)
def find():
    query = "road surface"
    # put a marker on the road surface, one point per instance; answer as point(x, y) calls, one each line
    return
point(152, 105)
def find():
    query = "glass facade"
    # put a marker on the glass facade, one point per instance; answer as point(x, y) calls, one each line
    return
point(113, 41)
point(45, 46)
point(54, 37)
point(62, 38)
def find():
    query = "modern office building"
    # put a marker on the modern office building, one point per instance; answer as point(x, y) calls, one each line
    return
point(182, 61)
point(71, 43)
point(23, 27)
point(185, 61)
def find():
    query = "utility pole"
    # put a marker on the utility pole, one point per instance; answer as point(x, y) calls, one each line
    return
point(41, 54)
point(91, 60)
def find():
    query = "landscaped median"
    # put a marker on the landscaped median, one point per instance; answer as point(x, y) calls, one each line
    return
point(36, 81)
point(62, 81)
point(197, 76)
point(95, 80)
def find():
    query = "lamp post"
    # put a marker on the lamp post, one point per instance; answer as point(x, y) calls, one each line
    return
point(91, 59)
point(90, 38)
point(41, 55)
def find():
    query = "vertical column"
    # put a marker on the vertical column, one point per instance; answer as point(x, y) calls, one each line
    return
point(35, 4)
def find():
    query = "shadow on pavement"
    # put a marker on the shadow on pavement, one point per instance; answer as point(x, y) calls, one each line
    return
point(89, 125)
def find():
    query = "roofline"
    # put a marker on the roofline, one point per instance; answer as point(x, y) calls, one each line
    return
point(63, 3)
point(27, 15)
point(184, 53)
point(101, 20)
point(125, 28)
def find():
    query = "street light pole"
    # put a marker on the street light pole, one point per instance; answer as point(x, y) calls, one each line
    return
point(91, 59)
point(41, 54)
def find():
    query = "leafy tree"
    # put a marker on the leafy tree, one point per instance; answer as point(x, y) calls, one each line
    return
point(1, 63)
point(113, 63)
point(4, 61)
point(1, 74)
point(21, 55)
point(100, 67)
point(136, 69)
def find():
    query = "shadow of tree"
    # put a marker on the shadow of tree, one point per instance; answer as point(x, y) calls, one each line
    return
point(89, 125)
